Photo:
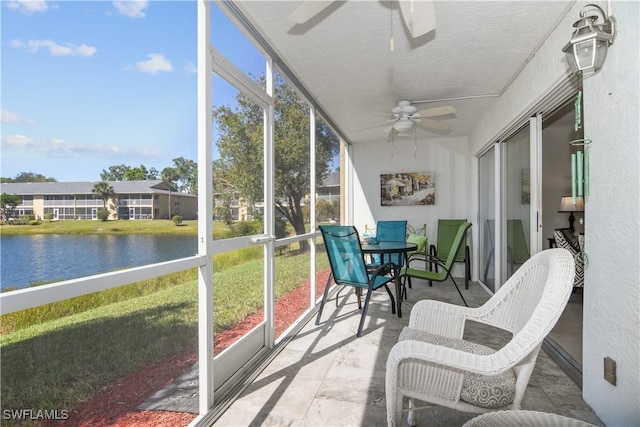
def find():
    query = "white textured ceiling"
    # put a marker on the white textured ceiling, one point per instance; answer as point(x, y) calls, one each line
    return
point(343, 56)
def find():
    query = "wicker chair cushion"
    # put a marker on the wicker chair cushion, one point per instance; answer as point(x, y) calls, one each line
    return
point(485, 391)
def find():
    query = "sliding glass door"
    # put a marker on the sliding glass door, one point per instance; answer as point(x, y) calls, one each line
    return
point(487, 216)
point(517, 201)
point(509, 206)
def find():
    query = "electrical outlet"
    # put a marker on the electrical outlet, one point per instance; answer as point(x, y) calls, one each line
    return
point(610, 373)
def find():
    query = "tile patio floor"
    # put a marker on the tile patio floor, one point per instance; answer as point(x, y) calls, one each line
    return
point(327, 377)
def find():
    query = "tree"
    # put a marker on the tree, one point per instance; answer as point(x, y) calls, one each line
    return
point(128, 173)
point(115, 173)
point(103, 190)
point(224, 193)
point(186, 173)
point(169, 175)
point(240, 144)
point(140, 173)
point(324, 209)
point(8, 204)
point(28, 177)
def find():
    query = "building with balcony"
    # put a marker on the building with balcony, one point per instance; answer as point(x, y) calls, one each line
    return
point(153, 199)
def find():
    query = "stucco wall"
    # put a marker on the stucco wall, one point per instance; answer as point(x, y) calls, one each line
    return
point(448, 158)
point(611, 114)
point(612, 291)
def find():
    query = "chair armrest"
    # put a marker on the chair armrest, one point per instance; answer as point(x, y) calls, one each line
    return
point(427, 259)
point(383, 270)
point(445, 357)
point(440, 318)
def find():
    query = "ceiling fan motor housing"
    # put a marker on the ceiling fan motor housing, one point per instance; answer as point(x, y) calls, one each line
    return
point(404, 107)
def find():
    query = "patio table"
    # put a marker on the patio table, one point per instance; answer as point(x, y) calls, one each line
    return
point(387, 248)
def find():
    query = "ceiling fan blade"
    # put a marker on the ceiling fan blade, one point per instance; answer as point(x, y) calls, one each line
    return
point(419, 16)
point(308, 10)
point(434, 124)
point(437, 111)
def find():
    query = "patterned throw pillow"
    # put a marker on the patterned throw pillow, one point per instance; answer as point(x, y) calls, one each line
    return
point(485, 391)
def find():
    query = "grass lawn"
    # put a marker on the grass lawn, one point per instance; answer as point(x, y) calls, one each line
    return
point(138, 226)
point(58, 358)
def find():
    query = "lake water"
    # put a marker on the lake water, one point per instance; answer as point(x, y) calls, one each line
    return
point(25, 260)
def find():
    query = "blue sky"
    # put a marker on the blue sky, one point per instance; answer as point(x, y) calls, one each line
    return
point(87, 85)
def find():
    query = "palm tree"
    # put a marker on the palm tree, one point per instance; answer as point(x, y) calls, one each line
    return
point(169, 175)
point(104, 191)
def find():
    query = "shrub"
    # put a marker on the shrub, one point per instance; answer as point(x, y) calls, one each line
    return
point(48, 216)
point(34, 222)
point(281, 228)
point(103, 214)
point(246, 228)
point(177, 220)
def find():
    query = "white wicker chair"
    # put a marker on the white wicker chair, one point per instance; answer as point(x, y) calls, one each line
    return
point(528, 305)
point(524, 419)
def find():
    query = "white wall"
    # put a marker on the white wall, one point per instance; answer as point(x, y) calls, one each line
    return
point(448, 158)
point(611, 114)
point(611, 289)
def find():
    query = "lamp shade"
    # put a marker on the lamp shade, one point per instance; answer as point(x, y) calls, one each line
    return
point(403, 125)
point(566, 204)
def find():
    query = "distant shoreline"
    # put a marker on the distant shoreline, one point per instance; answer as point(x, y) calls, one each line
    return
point(123, 226)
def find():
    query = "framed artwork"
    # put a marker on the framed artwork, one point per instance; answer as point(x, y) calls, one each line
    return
point(408, 188)
point(526, 189)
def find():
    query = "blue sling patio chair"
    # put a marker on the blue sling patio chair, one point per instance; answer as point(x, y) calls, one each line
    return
point(445, 265)
point(348, 268)
point(389, 231)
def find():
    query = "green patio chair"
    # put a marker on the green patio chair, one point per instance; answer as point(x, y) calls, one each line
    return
point(447, 229)
point(348, 268)
point(436, 276)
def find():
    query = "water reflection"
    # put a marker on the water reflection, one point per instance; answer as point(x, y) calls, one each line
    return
point(25, 260)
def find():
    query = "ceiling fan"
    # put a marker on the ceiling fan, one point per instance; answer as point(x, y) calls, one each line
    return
point(418, 15)
point(405, 116)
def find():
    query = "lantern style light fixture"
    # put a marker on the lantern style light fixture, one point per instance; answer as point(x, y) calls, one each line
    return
point(587, 49)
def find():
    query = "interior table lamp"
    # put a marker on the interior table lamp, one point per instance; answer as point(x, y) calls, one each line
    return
point(566, 205)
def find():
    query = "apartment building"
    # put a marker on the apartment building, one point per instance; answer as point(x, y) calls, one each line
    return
point(149, 199)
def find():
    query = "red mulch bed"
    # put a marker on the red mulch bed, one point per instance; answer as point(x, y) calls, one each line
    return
point(115, 406)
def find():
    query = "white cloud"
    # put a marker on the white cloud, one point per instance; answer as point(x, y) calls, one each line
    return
point(28, 6)
point(60, 148)
point(55, 49)
point(190, 68)
point(156, 62)
point(132, 8)
point(57, 147)
point(7, 116)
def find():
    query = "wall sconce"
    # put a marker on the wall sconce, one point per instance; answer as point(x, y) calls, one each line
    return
point(567, 205)
point(587, 49)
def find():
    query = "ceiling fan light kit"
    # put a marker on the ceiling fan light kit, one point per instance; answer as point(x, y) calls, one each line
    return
point(405, 116)
point(403, 125)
